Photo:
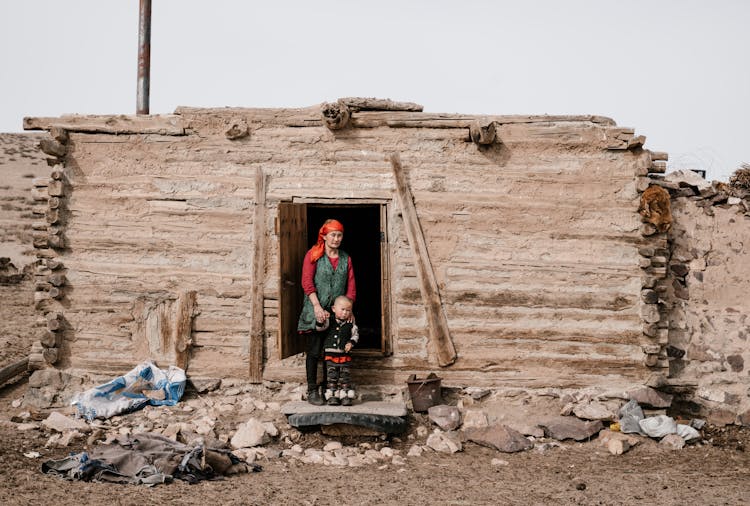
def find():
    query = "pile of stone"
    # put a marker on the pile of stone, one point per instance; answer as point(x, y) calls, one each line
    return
point(248, 419)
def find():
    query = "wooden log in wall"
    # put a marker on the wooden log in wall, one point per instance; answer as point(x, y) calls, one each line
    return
point(12, 370)
point(436, 319)
point(257, 333)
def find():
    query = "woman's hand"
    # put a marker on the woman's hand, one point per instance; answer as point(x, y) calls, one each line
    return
point(320, 314)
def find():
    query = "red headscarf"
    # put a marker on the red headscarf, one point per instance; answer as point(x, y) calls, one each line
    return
point(329, 226)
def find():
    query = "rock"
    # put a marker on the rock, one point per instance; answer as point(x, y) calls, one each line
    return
point(249, 434)
point(657, 380)
point(60, 423)
point(172, 430)
point(500, 437)
point(499, 462)
point(358, 461)
point(335, 460)
point(415, 451)
point(686, 177)
point(332, 446)
point(271, 429)
point(444, 442)
point(373, 454)
point(658, 426)
point(673, 441)
point(16, 403)
point(606, 435)
point(527, 429)
point(422, 431)
point(697, 423)
point(650, 397)
point(53, 440)
point(46, 377)
point(543, 447)
point(203, 386)
point(567, 410)
point(23, 427)
point(475, 418)
point(249, 455)
point(398, 460)
point(568, 427)
point(476, 393)
point(69, 436)
point(687, 432)
point(719, 416)
point(446, 417)
point(204, 426)
point(617, 446)
point(22, 417)
point(593, 411)
point(273, 406)
point(313, 456)
point(387, 452)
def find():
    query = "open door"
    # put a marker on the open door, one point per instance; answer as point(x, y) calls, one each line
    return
point(292, 230)
point(365, 241)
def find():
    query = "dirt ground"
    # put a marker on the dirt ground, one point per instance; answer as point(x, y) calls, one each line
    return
point(716, 471)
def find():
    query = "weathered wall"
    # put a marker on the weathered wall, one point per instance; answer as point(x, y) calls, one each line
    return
point(534, 240)
point(710, 322)
point(20, 162)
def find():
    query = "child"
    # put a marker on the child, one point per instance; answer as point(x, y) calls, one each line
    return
point(340, 337)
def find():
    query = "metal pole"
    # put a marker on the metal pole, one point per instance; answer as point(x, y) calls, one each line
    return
point(144, 57)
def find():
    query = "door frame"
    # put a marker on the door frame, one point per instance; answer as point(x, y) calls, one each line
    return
point(286, 343)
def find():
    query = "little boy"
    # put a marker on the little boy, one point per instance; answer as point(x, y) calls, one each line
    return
point(342, 335)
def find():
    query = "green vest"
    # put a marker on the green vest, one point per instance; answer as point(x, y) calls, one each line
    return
point(329, 284)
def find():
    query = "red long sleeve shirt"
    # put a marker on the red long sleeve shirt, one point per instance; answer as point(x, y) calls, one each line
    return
point(308, 276)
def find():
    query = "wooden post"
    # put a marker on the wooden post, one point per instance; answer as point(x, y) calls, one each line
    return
point(183, 328)
point(436, 319)
point(257, 329)
point(12, 370)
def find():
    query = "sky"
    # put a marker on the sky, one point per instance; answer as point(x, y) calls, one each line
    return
point(675, 70)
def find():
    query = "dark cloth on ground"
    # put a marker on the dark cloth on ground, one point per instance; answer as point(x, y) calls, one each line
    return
point(148, 459)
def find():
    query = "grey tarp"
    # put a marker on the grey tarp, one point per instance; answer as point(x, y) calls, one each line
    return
point(148, 458)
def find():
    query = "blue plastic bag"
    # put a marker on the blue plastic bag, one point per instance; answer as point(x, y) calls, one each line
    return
point(145, 384)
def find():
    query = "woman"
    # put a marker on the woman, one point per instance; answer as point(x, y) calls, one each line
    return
point(327, 272)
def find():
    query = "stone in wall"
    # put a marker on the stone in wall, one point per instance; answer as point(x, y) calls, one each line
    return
point(709, 320)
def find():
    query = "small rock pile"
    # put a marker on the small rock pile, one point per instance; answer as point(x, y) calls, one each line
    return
point(248, 420)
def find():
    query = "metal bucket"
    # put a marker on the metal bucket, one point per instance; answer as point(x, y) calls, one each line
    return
point(424, 393)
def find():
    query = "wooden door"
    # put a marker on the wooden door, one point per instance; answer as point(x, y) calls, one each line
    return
point(292, 248)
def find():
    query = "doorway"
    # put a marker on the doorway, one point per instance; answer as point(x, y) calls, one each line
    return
point(364, 240)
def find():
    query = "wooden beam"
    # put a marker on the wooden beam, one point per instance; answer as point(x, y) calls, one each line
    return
point(437, 321)
point(10, 371)
point(167, 124)
point(257, 329)
point(379, 104)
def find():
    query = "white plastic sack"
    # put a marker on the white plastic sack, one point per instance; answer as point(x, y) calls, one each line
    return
point(145, 384)
point(687, 432)
point(658, 426)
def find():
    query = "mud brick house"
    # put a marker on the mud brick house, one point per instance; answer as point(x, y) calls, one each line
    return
point(495, 250)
